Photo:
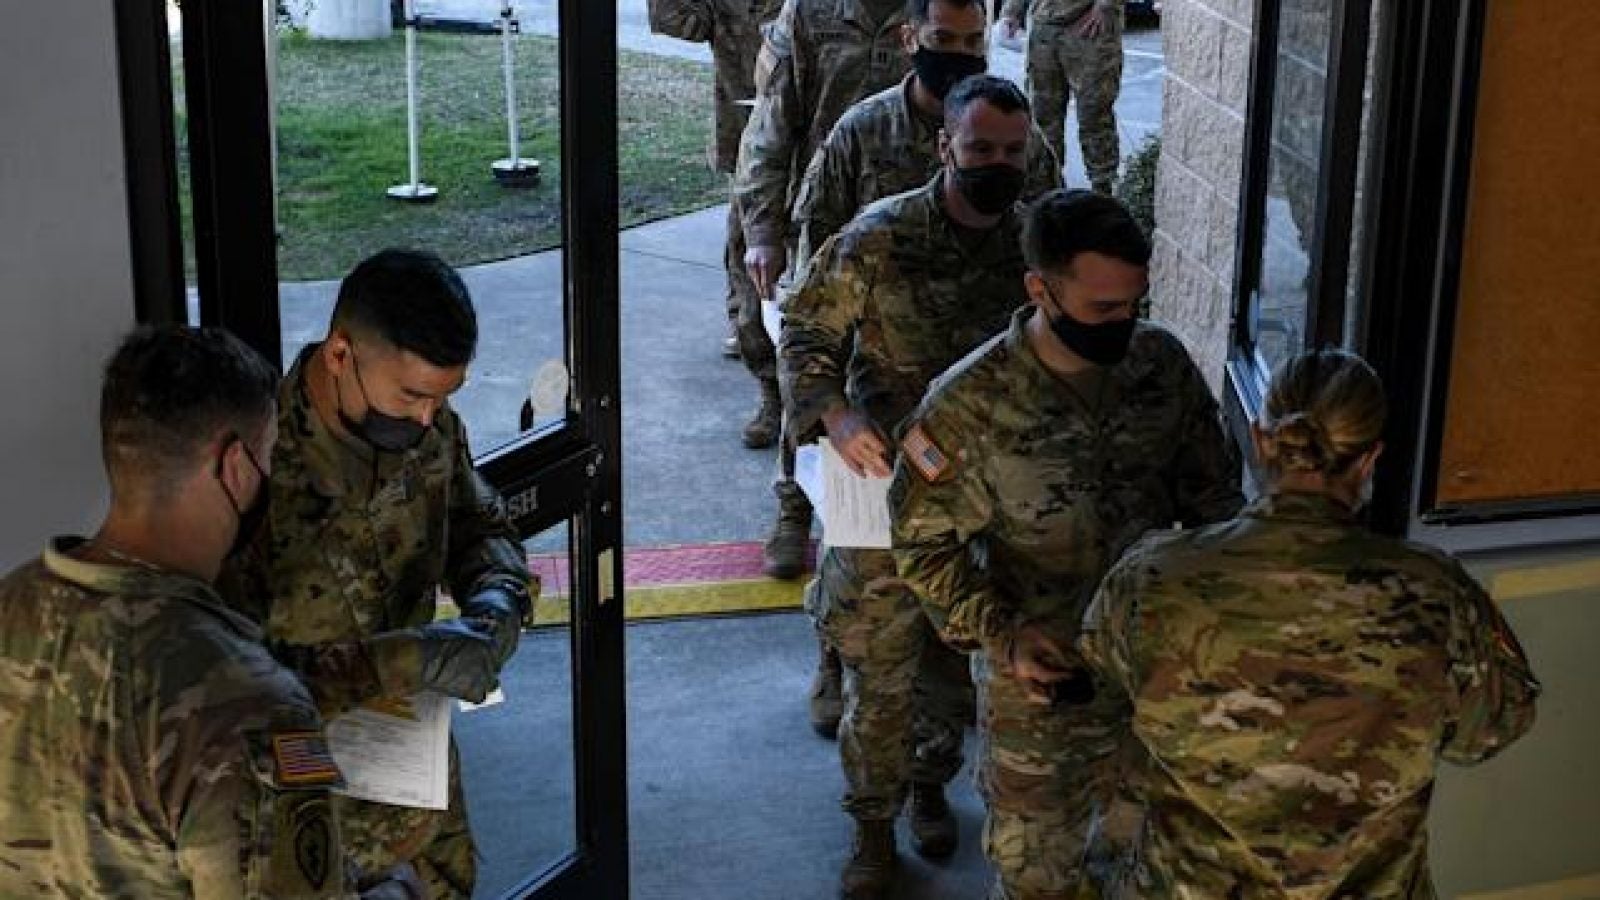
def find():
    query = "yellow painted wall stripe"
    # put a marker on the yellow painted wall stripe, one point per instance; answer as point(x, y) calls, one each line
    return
point(1520, 584)
point(1586, 887)
point(672, 601)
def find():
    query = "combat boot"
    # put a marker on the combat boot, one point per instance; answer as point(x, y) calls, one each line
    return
point(784, 554)
point(870, 873)
point(933, 827)
point(762, 429)
point(827, 699)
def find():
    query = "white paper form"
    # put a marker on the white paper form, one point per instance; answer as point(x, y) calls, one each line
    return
point(395, 752)
point(854, 509)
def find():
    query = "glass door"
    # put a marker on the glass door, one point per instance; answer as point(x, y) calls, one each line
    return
point(316, 134)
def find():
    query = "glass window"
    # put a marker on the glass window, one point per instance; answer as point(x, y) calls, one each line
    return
point(1277, 314)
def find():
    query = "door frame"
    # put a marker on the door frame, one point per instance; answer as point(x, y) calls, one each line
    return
point(569, 471)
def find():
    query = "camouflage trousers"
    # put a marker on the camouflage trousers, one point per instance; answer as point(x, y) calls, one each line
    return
point(907, 697)
point(438, 843)
point(1060, 63)
point(1045, 776)
point(743, 305)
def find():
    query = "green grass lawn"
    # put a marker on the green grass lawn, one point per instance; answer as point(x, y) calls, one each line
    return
point(342, 143)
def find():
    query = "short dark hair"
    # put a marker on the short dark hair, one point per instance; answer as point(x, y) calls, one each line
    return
point(917, 10)
point(414, 301)
point(1000, 93)
point(171, 390)
point(1064, 223)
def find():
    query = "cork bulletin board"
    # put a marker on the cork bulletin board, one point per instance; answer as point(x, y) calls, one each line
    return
point(1522, 413)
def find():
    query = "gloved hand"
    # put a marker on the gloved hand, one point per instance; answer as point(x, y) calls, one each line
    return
point(457, 657)
point(399, 883)
point(503, 609)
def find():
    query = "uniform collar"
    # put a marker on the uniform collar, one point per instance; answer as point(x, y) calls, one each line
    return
point(920, 124)
point(310, 452)
point(1124, 375)
point(1296, 506)
point(134, 581)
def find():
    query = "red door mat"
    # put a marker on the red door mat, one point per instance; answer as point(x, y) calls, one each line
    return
point(667, 582)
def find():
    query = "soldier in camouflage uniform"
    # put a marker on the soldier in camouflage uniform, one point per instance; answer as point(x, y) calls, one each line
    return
point(888, 143)
point(819, 57)
point(908, 287)
point(1023, 475)
point(733, 29)
point(1295, 679)
point(1075, 45)
point(152, 747)
point(375, 507)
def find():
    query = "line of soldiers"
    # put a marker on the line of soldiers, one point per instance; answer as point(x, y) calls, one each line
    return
point(989, 357)
point(824, 106)
point(273, 556)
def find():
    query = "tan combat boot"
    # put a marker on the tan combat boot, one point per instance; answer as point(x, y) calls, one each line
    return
point(784, 555)
point(870, 872)
point(827, 700)
point(933, 827)
point(762, 429)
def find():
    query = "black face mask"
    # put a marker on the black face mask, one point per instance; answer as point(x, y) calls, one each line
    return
point(991, 189)
point(938, 71)
point(252, 517)
point(1104, 344)
point(392, 434)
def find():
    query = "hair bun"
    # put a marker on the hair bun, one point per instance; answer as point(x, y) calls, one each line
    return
point(1301, 443)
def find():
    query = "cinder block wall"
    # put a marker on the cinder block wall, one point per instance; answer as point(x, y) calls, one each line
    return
point(1207, 48)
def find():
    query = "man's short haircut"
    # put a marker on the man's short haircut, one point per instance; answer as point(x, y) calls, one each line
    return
point(1064, 223)
point(411, 300)
point(169, 392)
point(917, 10)
point(1000, 93)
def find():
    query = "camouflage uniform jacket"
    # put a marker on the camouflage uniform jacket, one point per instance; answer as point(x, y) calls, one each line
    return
point(1020, 493)
point(889, 303)
point(138, 721)
point(819, 58)
point(358, 543)
point(1062, 11)
point(1296, 679)
point(881, 147)
point(733, 29)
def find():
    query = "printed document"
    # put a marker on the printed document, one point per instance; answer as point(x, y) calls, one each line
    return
point(395, 751)
point(854, 509)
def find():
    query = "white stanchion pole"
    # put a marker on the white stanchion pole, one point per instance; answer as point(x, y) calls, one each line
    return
point(513, 171)
point(414, 191)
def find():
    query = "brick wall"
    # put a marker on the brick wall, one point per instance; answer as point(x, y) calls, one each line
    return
point(1207, 49)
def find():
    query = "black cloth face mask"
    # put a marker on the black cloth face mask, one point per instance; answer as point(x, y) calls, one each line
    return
point(939, 71)
point(991, 189)
point(1104, 344)
point(392, 434)
point(251, 517)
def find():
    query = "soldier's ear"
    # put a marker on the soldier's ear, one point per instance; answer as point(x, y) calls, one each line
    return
point(336, 351)
point(908, 37)
point(1034, 286)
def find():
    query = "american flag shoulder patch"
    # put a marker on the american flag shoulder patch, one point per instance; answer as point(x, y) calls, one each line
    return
point(302, 759)
point(924, 455)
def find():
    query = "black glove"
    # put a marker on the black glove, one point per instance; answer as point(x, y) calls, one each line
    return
point(458, 658)
point(503, 609)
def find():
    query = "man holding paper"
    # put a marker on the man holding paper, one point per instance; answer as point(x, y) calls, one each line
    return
point(901, 293)
point(375, 507)
point(1027, 470)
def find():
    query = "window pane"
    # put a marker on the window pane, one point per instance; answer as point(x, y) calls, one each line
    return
point(517, 756)
point(346, 165)
point(1278, 309)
